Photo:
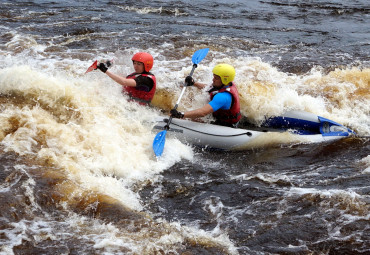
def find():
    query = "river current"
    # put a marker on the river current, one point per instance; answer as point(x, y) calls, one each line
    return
point(78, 174)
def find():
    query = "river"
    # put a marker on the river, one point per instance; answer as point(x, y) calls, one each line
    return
point(78, 174)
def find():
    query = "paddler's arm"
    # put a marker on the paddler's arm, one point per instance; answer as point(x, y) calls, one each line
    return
point(198, 113)
point(189, 81)
point(120, 80)
point(219, 101)
point(200, 85)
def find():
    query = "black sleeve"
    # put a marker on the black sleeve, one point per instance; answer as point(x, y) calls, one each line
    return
point(144, 83)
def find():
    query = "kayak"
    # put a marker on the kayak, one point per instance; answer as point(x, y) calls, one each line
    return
point(291, 127)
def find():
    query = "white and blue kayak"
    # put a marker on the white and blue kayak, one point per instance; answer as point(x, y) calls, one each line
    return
point(291, 127)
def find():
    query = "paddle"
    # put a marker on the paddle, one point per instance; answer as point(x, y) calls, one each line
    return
point(160, 138)
point(92, 67)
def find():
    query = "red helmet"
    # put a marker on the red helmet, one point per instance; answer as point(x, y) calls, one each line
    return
point(144, 58)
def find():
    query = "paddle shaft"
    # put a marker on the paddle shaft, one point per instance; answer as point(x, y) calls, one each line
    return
point(160, 138)
point(167, 127)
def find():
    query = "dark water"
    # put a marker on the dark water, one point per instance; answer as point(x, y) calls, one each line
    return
point(77, 172)
point(293, 35)
point(275, 201)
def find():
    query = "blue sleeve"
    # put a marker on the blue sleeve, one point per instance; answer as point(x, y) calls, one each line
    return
point(221, 101)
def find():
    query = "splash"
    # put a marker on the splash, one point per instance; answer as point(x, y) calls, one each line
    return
point(341, 95)
point(159, 10)
point(78, 127)
point(93, 149)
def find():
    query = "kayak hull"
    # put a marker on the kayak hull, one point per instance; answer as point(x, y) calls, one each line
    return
point(308, 128)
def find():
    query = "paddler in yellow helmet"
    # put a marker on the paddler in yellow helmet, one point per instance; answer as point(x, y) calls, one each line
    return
point(224, 98)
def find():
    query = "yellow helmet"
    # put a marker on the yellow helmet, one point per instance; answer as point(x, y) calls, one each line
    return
point(226, 72)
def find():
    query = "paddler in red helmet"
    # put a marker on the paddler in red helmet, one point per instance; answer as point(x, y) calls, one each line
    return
point(141, 84)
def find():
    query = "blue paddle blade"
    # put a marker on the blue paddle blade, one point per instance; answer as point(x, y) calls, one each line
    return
point(199, 55)
point(158, 143)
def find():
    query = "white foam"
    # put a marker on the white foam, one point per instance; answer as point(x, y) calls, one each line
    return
point(366, 161)
point(84, 125)
point(108, 135)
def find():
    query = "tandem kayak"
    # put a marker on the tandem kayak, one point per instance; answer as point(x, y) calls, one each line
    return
point(291, 127)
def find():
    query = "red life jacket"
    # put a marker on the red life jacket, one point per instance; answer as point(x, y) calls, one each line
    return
point(231, 116)
point(142, 97)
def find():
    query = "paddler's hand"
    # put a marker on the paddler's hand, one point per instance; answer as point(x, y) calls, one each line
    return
point(176, 114)
point(102, 67)
point(189, 81)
